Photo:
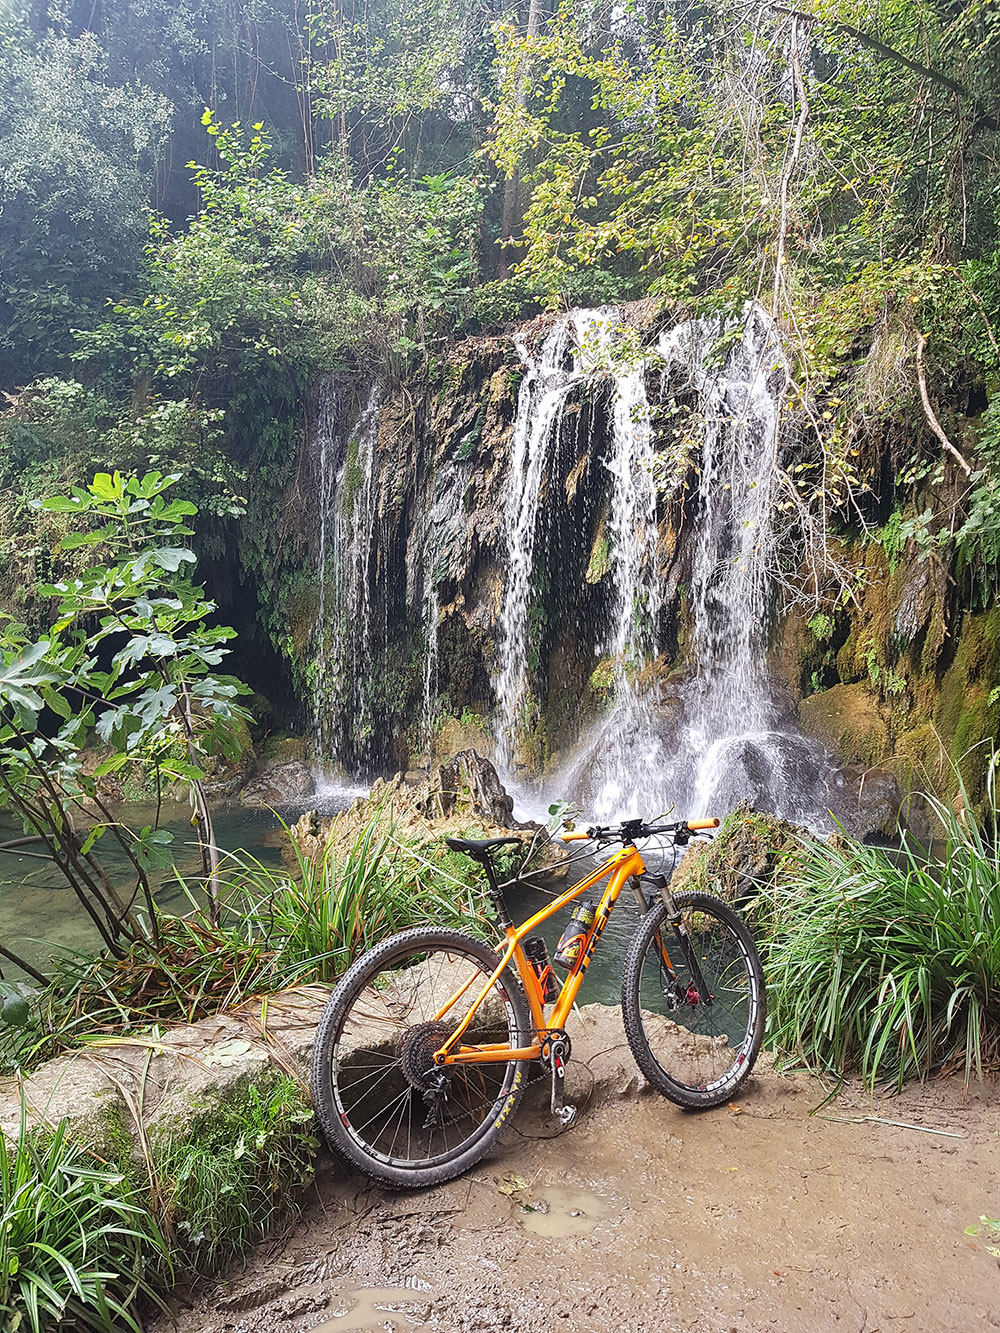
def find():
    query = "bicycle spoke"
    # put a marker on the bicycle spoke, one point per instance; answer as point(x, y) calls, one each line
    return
point(696, 1019)
point(391, 1097)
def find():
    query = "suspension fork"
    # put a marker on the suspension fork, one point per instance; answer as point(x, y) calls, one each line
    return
point(662, 885)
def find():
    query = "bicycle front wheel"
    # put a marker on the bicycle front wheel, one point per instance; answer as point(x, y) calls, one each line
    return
point(693, 1000)
point(383, 1104)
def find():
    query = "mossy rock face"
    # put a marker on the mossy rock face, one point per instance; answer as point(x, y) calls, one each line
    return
point(750, 852)
point(847, 719)
point(795, 653)
point(967, 718)
point(466, 733)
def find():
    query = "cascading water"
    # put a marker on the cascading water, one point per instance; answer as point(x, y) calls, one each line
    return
point(584, 546)
point(728, 742)
point(342, 638)
point(732, 743)
point(567, 356)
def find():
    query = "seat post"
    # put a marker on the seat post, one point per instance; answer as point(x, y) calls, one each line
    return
point(496, 893)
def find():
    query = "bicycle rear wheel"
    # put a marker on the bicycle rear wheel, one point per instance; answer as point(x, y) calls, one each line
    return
point(383, 1104)
point(693, 1000)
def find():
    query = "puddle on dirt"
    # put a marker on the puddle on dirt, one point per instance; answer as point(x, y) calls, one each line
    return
point(364, 1311)
point(555, 1211)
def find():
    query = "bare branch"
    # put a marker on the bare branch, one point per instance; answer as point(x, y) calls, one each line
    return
point(889, 52)
point(25, 967)
point(932, 420)
point(789, 167)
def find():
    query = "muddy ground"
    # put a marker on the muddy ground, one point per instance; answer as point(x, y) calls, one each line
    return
point(642, 1218)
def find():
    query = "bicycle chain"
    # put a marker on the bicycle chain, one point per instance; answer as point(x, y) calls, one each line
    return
point(545, 1071)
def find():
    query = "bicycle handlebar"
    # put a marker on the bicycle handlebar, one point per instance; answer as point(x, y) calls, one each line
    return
point(631, 829)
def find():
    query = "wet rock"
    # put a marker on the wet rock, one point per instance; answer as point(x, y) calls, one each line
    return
point(750, 851)
point(468, 780)
point(876, 804)
point(457, 735)
point(847, 719)
point(279, 783)
point(465, 791)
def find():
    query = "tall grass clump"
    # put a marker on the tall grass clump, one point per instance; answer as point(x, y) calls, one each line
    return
point(332, 907)
point(216, 1191)
point(76, 1247)
point(888, 961)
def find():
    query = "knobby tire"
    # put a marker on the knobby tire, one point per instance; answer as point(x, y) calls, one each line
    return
point(371, 1060)
point(695, 1049)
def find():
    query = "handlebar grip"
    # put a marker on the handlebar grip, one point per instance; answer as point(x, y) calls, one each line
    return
point(695, 824)
point(574, 837)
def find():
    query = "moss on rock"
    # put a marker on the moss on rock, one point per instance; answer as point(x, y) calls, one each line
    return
point(847, 719)
point(749, 853)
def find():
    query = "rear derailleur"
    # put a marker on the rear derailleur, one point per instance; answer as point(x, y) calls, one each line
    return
point(435, 1095)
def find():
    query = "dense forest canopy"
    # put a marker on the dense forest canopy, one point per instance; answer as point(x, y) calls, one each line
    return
point(206, 203)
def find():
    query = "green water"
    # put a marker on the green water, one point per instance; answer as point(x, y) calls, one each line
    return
point(39, 913)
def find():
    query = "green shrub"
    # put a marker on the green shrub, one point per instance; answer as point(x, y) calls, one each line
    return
point(220, 1188)
point(276, 928)
point(75, 1245)
point(339, 904)
point(888, 961)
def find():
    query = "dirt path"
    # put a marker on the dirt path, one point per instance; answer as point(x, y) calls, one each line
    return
point(642, 1219)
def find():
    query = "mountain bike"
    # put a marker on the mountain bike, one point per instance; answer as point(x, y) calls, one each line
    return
point(423, 1050)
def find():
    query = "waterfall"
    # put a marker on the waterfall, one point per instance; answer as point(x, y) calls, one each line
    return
point(586, 545)
point(324, 432)
point(575, 352)
point(342, 636)
point(721, 738)
point(733, 743)
point(547, 384)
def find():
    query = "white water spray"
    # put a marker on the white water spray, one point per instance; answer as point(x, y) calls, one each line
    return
point(570, 353)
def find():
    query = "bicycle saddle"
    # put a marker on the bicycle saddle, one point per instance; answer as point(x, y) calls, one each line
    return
point(477, 847)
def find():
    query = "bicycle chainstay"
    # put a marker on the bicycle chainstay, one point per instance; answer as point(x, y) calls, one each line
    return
point(556, 1049)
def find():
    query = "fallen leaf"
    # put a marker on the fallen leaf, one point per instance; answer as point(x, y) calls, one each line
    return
point(226, 1053)
point(513, 1184)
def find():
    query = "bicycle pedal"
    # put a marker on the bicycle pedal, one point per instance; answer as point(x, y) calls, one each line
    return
point(566, 1114)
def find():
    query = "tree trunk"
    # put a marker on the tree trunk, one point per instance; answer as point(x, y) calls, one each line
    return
point(511, 217)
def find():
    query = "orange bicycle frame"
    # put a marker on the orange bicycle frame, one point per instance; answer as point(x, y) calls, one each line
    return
point(620, 867)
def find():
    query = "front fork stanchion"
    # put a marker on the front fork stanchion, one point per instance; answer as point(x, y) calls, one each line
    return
point(688, 952)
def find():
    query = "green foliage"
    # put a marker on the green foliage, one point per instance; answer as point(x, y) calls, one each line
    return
point(892, 537)
point(219, 1188)
point(76, 161)
point(59, 432)
point(887, 680)
point(274, 930)
point(275, 279)
point(76, 1246)
point(889, 962)
point(822, 626)
point(343, 901)
point(129, 657)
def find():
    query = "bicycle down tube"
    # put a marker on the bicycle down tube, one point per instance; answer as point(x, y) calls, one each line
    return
point(620, 867)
